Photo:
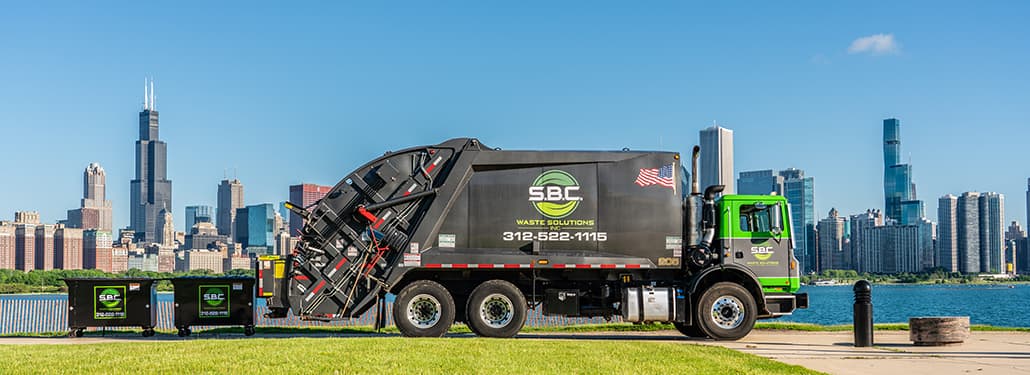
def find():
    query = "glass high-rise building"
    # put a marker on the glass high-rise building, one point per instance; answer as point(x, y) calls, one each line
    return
point(717, 158)
point(992, 229)
point(198, 214)
point(898, 190)
point(968, 233)
point(762, 182)
point(151, 190)
point(800, 193)
point(947, 236)
point(255, 228)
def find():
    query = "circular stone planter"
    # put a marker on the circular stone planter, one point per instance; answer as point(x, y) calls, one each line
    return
point(938, 330)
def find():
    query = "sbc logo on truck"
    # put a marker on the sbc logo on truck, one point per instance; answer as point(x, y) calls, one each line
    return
point(555, 194)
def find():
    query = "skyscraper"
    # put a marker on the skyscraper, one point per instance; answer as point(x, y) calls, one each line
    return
point(947, 235)
point(151, 191)
point(762, 182)
point(255, 228)
point(865, 246)
point(992, 227)
point(230, 198)
point(198, 214)
point(898, 190)
point(716, 158)
point(968, 232)
point(94, 211)
point(304, 195)
point(800, 193)
point(831, 242)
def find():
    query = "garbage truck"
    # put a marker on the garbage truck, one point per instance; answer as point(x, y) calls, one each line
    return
point(461, 232)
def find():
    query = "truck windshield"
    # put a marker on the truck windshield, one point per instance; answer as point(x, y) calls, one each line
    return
point(755, 218)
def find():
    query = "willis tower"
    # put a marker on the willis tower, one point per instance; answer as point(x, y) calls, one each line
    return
point(151, 190)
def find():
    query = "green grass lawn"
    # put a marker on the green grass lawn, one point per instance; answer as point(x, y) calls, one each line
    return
point(377, 355)
point(461, 328)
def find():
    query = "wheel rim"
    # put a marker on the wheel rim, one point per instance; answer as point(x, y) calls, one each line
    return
point(728, 312)
point(497, 311)
point(424, 311)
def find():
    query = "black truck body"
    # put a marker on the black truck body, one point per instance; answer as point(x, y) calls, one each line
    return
point(476, 230)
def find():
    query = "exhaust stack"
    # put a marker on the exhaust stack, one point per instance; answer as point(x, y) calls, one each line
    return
point(694, 189)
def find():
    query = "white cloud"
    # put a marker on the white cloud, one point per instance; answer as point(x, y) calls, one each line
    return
point(877, 44)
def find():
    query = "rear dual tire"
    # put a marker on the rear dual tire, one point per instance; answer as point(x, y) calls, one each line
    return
point(496, 308)
point(424, 309)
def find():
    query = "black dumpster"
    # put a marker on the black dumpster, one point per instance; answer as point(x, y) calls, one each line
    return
point(214, 301)
point(103, 302)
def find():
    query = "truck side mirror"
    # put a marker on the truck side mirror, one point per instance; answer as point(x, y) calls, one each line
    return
point(776, 219)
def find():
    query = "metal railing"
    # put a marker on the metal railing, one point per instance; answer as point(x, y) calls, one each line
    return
point(51, 315)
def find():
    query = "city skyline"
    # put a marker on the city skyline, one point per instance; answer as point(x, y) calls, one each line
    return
point(812, 103)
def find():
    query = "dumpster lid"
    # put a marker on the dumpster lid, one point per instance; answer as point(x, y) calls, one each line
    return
point(109, 279)
point(213, 278)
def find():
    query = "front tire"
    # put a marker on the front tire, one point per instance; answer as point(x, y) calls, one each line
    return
point(726, 311)
point(423, 309)
point(496, 308)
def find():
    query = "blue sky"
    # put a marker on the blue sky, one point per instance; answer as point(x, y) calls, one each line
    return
point(288, 94)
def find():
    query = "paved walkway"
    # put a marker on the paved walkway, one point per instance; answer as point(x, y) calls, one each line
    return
point(831, 352)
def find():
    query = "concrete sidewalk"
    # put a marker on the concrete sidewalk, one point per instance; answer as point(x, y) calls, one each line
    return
point(832, 352)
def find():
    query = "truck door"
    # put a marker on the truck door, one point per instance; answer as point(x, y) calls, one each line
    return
point(761, 242)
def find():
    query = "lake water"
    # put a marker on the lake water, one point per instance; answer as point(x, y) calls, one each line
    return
point(997, 305)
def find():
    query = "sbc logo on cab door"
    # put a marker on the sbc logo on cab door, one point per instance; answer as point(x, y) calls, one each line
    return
point(762, 252)
point(555, 194)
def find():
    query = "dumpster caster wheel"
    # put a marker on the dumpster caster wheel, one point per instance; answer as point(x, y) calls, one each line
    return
point(147, 332)
point(249, 330)
point(75, 332)
point(183, 332)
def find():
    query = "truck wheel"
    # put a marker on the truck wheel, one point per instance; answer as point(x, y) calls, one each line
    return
point(496, 308)
point(726, 311)
point(690, 330)
point(423, 309)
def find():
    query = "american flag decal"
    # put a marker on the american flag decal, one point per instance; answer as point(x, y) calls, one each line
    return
point(656, 176)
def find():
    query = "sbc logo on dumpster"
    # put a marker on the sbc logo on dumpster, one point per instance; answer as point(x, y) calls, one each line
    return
point(214, 301)
point(109, 302)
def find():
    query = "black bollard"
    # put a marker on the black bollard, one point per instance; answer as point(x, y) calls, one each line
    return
point(863, 314)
